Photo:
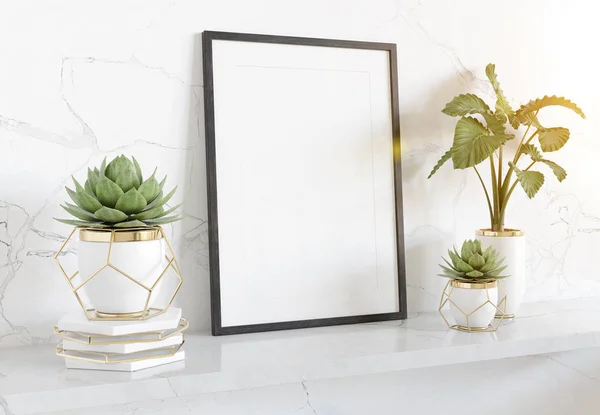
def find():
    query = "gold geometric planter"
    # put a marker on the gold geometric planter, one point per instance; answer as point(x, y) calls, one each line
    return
point(447, 298)
point(122, 235)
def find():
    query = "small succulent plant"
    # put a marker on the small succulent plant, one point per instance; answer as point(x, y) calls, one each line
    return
point(473, 264)
point(117, 196)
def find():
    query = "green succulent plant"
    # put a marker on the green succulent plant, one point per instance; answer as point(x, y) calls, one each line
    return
point(473, 264)
point(117, 196)
point(482, 133)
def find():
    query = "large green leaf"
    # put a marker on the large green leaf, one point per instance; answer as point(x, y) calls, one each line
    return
point(547, 101)
point(495, 123)
point(447, 156)
point(532, 151)
point(552, 139)
point(502, 105)
point(84, 200)
point(79, 213)
point(472, 143)
point(108, 192)
point(559, 172)
point(131, 202)
point(110, 215)
point(531, 181)
point(464, 104)
point(150, 188)
point(529, 118)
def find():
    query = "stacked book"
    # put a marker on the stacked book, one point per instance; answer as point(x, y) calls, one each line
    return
point(121, 345)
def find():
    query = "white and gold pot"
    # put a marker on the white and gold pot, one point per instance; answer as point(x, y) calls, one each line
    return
point(473, 304)
point(121, 272)
point(511, 245)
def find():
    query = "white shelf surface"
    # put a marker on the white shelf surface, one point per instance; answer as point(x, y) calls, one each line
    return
point(33, 379)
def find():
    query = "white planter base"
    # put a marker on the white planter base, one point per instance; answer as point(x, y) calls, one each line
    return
point(511, 245)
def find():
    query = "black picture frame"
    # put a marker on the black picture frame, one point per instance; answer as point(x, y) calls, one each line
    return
point(211, 172)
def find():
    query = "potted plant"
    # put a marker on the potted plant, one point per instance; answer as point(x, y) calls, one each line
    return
point(481, 135)
point(121, 249)
point(473, 287)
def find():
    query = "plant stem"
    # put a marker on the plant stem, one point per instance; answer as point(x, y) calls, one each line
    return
point(495, 224)
point(487, 196)
point(504, 191)
point(500, 195)
point(503, 210)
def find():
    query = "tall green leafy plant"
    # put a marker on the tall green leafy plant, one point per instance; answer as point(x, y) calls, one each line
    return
point(481, 134)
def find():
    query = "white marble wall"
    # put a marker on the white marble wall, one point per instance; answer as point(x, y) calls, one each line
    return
point(81, 80)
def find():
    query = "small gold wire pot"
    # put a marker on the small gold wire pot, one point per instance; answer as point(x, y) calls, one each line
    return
point(112, 236)
point(499, 306)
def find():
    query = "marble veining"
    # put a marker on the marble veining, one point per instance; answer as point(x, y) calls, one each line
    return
point(73, 94)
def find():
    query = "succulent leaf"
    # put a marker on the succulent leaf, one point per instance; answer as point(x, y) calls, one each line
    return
point(128, 180)
point(150, 188)
point(74, 222)
point(480, 266)
point(168, 211)
point(163, 221)
point(115, 196)
point(476, 261)
point(108, 192)
point(138, 171)
point(131, 202)
point(84, 200)
point(109, 215)
point(459, 264)
point(93, 180)
point(79, 213)
point(102, 168)
point(88, 189)
point(130, 224)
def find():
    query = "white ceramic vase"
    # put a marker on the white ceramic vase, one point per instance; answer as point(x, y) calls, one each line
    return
point(473, 304)
point(511, 245)
point(137, 254)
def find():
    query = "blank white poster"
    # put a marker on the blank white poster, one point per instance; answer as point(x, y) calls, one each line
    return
point(305, 182)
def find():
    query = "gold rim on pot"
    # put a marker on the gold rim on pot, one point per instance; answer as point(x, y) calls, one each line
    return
point(120, 235)
point(474, 285)
point(506, 232)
